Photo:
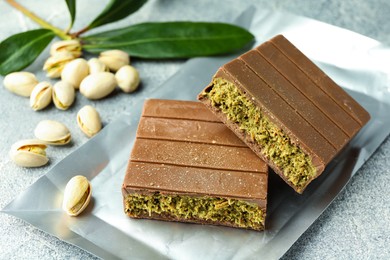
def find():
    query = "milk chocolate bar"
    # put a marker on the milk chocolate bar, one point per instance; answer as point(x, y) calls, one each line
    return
point(187, 166)
point(289, 112)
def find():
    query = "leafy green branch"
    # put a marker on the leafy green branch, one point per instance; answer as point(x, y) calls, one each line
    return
point(163, 40)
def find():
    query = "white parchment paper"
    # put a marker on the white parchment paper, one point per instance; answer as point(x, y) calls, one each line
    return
point(357, 63)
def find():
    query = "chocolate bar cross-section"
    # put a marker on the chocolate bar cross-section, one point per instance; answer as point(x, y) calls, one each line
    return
point(289, 112)
point(188, 166)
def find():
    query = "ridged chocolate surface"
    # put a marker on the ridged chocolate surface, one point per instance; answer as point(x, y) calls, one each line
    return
point(182, 148)
point(298, 97)
point(322, 81)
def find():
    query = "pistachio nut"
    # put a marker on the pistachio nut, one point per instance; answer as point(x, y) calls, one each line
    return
point(55, 64)
point(114, 59)
point(52, 132)
point(75, 71)
point(29, 153)
point(20, 83)
point(72, 47)
point(63, 95)
point(95, 65)
point(41, 96)
point(77, 195)
point(98, 85)
point(127, 78)
point(89, 121)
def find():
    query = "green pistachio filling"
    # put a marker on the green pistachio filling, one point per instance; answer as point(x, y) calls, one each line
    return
point(236, 212)
point(297, 167)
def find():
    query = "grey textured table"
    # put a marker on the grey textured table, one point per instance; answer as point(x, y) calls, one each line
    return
point(355, 226)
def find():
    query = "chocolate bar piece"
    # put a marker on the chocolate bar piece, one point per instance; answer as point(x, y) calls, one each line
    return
point(187, 166)
point(285, 109)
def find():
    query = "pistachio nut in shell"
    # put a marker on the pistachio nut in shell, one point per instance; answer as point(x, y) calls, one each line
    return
point(95, 66)
point(72, 47)
point(88, 120)
point(41, 96)
point(77, 195)
point(127, 78)
point(63, 95)
point(55, 64)
point(52, 132)
point(20, 83)
point(75, 71)
point(114, 59)
point(29, 153)
point(98, 85)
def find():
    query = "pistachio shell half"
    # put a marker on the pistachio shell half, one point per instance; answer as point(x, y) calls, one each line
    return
point(41, 96)
point(29, 153)
point(52, 132)
point(114, 59)
point(20, 83)
point(88, 120)
point(77, 195)
point(95, 66)
point(127, 78)
point(63, 95)
point(98, 85)
point(75, 71)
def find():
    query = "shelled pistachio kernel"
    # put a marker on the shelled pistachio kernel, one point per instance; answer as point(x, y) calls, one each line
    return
point(75, 71)
point(20, 83)
point(41, 96)
point(88, 120)
point(52, 132)
point(29, 153)
point(127, 78)
point(95, 66)
point(114, 59)
point(55, 64)
point(63, 95)
point(98, 85)
point(77, 195)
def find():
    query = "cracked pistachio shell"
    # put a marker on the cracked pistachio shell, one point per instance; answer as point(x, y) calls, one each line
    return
point(98, 85)
point(75, 71)
point(41, 96)
point(77, 195)
point(114, 59)
point(88, 120)
point(72, 47)
point(95, 66)
point(52, 132)
point(20, 83)
point(127, 78)
point(55, 64)
point(29, 153)
point(63, 95)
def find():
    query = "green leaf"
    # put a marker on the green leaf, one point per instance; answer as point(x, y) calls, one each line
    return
point(171, 39)
point(72, 11)
point(116, 10)
point(20, 50)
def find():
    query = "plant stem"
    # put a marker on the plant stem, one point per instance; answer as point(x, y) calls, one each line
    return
point(39, 20)
point(76, 34)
